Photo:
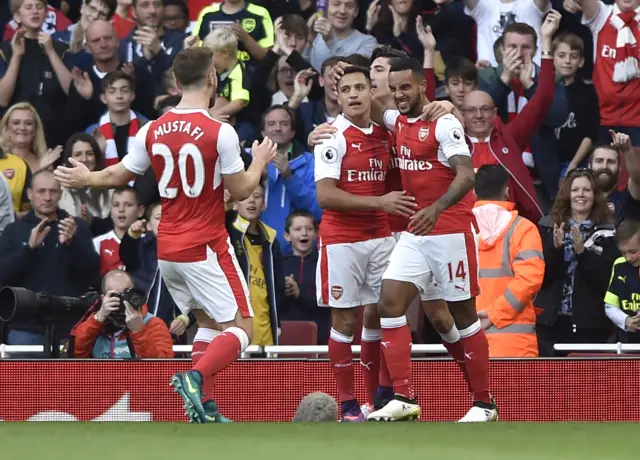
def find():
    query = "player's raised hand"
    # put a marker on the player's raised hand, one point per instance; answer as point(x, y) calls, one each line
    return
point(320, 133)
point(265, 151)
point(422, 222)
point(398, 203)
point(77, 176)
point(572, 6)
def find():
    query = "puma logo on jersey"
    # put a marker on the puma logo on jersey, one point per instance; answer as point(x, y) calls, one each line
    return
point(622, 278)
point(357, 146)
point(109, 251)
point(468, 355)
point(367, 366)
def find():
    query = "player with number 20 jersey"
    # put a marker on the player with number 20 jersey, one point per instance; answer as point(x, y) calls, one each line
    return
point(191, 155)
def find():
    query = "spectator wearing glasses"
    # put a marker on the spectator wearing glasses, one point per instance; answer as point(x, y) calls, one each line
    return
point(579, 251)
point(175, 16)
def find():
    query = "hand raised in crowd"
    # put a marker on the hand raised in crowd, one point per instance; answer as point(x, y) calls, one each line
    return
point(425, 35)
point(423, 221)
point(265, 151)
point(576, 239)
point(74, 177)
point(133, 318)
point(281, 162)
point(620, 141)
point(483, 64)
point(399, 22)
point(84, 214)
point(398, 203)
point(129, 69)
point(320, 133)
point(511, 62)
point(301, 87)
point(572, 6)
point(312, 33)
point(39, 233)
point(18, 46)
point(191, 41)
point(82, 83)
point(139, 228)
point(550, 26)
point(46, 42)
point(322, 26)
point(240, 32)
point(49, 158)
point(148, 37)
point(110, 303)
point(373, 15)
point(558, 235)
point(526, 73)
point(280, 43)
point(66, 230)
point(291, 288)
point(179, 325)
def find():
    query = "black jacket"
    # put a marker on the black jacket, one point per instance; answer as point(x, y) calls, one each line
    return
point(64, 270)
point(591, 278)
point(271, 264)
point(305, 307)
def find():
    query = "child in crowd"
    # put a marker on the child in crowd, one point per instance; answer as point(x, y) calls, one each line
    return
point(300, 274)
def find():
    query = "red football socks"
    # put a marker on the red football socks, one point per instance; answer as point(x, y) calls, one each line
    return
point(396, 346)
point(370, 360)
point(341, 358)
point(197, 352)
point(222, 351)
point(453, 344)
point(476, 358)
point(384, 379)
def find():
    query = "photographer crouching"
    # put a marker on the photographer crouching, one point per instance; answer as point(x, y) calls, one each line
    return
point(122, 327)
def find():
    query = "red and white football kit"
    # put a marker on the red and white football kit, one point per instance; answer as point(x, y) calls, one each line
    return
point(189, 152)
point(448, 255)
point(355, 246)
point(108, 248)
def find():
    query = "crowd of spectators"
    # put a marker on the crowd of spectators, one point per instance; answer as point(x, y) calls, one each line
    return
point(78, 79)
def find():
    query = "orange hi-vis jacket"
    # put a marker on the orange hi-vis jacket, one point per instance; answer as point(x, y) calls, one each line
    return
point(511, 273)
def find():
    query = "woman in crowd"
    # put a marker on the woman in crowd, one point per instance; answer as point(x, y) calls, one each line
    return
point(579, 251)
point(91, 204)
point(22, 135)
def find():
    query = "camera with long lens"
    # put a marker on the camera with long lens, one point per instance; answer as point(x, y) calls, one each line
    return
point(21, 305)
point(135, 297)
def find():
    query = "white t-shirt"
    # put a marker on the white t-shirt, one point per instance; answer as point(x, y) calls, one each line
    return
point(493, 16)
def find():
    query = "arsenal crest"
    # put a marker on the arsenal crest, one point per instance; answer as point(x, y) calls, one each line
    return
point(423, 133)
point(9, 173)
point(336, 292)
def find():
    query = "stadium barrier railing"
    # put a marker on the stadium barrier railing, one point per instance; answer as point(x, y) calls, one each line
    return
point(417, 349)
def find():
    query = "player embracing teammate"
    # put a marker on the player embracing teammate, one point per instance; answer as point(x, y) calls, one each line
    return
point(438, 246)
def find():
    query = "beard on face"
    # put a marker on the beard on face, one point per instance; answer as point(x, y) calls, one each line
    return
point(606, 180)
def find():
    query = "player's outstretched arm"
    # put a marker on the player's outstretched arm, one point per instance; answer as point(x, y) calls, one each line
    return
point(79, 176)
point(242, 184)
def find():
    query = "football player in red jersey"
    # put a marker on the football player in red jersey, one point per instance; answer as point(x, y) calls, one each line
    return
point(355, 239)
point(194, 158)
point(438, 246)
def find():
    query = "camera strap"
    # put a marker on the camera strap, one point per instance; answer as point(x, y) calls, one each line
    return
point(132, 349)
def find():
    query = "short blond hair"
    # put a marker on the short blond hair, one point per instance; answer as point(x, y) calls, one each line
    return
point(17, 4)
point(222, 39)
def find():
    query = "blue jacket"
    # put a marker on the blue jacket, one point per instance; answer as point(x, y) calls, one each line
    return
point(297, 193)
point(271, 264)
point(172, 43)
point(305, 307)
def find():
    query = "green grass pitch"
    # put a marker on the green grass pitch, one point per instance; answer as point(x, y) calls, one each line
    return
point(328, 441)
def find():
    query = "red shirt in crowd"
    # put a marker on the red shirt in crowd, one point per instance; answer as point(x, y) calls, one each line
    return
point(54, 21)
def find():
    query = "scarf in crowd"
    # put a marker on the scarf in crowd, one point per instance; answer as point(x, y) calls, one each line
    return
point(627, 66)
point(570, 256)
point(106, 128)
point(515, 103)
